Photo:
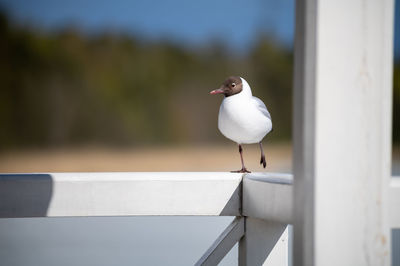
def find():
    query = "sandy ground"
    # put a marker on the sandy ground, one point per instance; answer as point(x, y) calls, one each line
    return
point(197, 158)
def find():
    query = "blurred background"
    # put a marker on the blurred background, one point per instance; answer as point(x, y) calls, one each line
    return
point(124, 86)
point(105, 82)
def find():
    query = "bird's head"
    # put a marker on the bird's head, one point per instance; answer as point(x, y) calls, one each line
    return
point(231, 86)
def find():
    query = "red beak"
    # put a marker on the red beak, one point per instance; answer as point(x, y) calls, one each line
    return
point(217, 91)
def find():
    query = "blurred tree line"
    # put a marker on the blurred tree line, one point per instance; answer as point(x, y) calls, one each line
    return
point(66, 88)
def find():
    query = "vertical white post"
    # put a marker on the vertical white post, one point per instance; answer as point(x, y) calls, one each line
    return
point(342, 125)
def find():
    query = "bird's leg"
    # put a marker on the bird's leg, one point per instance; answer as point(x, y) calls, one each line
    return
point(241, 157)
point(243, 170)
point(262, 160)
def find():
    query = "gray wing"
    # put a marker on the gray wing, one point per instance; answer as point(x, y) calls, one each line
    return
point(261, 106)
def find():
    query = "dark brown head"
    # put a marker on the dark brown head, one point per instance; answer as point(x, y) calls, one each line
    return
point(231, 86)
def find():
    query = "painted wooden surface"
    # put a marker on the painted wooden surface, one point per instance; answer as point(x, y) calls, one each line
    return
point(115, 194)
point(342, 132)
point(394, 204)
point(279, 255)
point(268, 196)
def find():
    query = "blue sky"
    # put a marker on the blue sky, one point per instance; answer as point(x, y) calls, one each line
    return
point(236, 23)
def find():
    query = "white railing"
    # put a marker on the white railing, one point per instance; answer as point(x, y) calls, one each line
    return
point(262, 203)
point(263, 199)
point(116, 194)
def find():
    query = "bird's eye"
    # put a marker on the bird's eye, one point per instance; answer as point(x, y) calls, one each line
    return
point(233, 84)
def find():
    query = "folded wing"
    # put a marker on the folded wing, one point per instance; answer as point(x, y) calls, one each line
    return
point(261, 106)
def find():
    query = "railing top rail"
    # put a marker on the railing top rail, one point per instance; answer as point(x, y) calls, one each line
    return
point(119, 194)
point(129, 176)
point(143, 193)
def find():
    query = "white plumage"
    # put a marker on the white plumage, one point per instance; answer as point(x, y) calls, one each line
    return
point(244, 118)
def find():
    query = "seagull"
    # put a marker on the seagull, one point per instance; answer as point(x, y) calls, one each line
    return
point(242, 117)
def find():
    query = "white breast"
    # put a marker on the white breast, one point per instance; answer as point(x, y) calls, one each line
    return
point(243, 119)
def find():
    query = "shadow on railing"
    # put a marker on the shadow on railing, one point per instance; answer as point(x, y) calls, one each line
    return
point(25, 195)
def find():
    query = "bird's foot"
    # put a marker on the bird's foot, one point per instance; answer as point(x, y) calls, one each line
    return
point(243, 170)
point(263, 161)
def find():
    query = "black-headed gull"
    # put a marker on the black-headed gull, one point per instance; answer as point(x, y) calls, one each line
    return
point(242, 117)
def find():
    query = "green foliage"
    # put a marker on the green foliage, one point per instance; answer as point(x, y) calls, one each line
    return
point(67, 88)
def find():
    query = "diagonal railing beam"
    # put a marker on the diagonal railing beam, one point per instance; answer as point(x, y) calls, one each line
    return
point(223, 244)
